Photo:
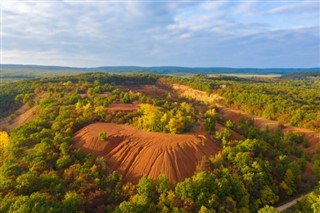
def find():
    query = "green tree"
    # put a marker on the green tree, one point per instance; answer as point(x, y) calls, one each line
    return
point(71, 202)
point(185, 189)
point(37, 202)
point(229, 124)
point(267, 196)
point(163, 184)
point(210, 120)
point(102, 136)
point(28, 182)
point(145, 186)
point(268, 209)
point(288, 183)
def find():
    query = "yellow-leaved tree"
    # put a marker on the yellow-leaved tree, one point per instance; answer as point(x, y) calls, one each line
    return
point(4, 141)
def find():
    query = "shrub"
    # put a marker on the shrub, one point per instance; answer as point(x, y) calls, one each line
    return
point(102, 136)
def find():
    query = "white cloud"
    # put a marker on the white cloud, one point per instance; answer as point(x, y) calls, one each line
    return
point(296, 7)
point(246, 8)
point(150, 33)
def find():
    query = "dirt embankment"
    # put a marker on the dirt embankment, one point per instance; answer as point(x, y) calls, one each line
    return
point(235, 115)
point(134, 153)
point(262, 123)
point(155, 91)
point(24, 115)
point(187, 92)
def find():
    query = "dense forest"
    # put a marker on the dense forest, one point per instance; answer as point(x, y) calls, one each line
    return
point(42, 171)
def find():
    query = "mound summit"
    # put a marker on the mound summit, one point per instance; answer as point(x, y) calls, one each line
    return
point(134, 152)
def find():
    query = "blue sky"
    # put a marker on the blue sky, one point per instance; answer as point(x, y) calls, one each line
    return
point(177, 33)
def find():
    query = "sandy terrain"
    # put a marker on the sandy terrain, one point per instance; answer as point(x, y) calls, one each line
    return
point(134, 153)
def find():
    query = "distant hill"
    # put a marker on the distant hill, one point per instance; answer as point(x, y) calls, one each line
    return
point(31, 71)
point(17, 72)
point(301, 75)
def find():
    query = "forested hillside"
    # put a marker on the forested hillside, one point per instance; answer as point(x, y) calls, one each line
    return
point(294, 102)
point(42, 169)
point(290, 102)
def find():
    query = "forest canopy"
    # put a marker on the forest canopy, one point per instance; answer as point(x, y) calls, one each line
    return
point(42, 171)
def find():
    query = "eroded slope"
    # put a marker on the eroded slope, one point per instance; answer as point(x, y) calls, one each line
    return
point(134, 153)
point(26, 114)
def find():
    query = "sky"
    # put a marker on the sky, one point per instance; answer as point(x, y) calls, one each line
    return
point(259, 34)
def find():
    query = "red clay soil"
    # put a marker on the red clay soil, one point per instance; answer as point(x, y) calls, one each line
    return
point(105, 94)
point(26, 115)
point(123, 107)
point(154, 91)
point(134, 153)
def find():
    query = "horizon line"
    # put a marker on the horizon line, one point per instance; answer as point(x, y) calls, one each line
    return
point(159, 66)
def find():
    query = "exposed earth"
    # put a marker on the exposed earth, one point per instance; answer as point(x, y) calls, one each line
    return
point(134, 152)
point(123, 107)
point(262, 123)
point(235, 115)
point(24, 115)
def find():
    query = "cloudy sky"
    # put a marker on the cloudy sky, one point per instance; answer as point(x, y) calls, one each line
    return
point(144, 33)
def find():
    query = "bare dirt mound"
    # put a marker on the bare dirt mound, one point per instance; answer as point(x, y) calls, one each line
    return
point(187, 92)
point(105, 94)
point(134, 153)
point(25, 115)
point(123, 107)
point(154, 91)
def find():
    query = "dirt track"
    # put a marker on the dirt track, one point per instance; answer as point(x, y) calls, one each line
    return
point(291, 203)
point(134, 153)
